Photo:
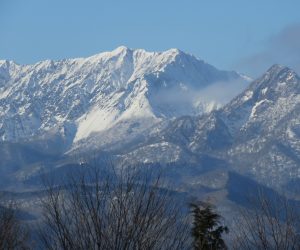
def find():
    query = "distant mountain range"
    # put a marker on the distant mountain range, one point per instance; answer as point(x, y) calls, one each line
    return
point(141, 107)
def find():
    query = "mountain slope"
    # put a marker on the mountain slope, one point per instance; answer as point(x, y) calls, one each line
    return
point(76, 99)
point(257, 133)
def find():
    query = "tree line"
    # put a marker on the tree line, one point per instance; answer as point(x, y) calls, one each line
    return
point(133, 209)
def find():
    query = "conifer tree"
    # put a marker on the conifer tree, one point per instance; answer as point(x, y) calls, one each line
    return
point(207, 229)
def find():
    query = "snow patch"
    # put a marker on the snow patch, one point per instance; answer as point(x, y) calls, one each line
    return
point(290, 133)
point(248, 95)
point(264, 90)
point(256, 105)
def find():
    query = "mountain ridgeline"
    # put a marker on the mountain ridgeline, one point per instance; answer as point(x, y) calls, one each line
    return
point(76, 97)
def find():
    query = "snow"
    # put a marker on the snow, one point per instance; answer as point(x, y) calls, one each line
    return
point(290, 133)
point(290, 76)
point(264, 90)
point(255, 107)
point(95, 121)
point(247, 78)
point(4, 94)
point(248, 95)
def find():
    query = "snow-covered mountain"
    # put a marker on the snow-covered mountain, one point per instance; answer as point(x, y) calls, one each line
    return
point(151, 107)
point(116, 94)
point(256, 135)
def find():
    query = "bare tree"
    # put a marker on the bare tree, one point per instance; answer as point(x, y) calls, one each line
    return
point(273, 222)
point(13, 234)
point(126, 209)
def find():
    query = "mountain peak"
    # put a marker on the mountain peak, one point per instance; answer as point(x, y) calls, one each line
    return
point(121, 49)
point(281, 72)
point(279, 81)
point(5, 63)
point(276, 67)
point(174, 51)
point(275, 92)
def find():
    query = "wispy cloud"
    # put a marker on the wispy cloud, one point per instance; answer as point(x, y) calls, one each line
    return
point(222, 92)
point(217, 94)
point(282, 48)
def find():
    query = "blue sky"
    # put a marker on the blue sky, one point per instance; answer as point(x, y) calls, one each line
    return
point(243, 35)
